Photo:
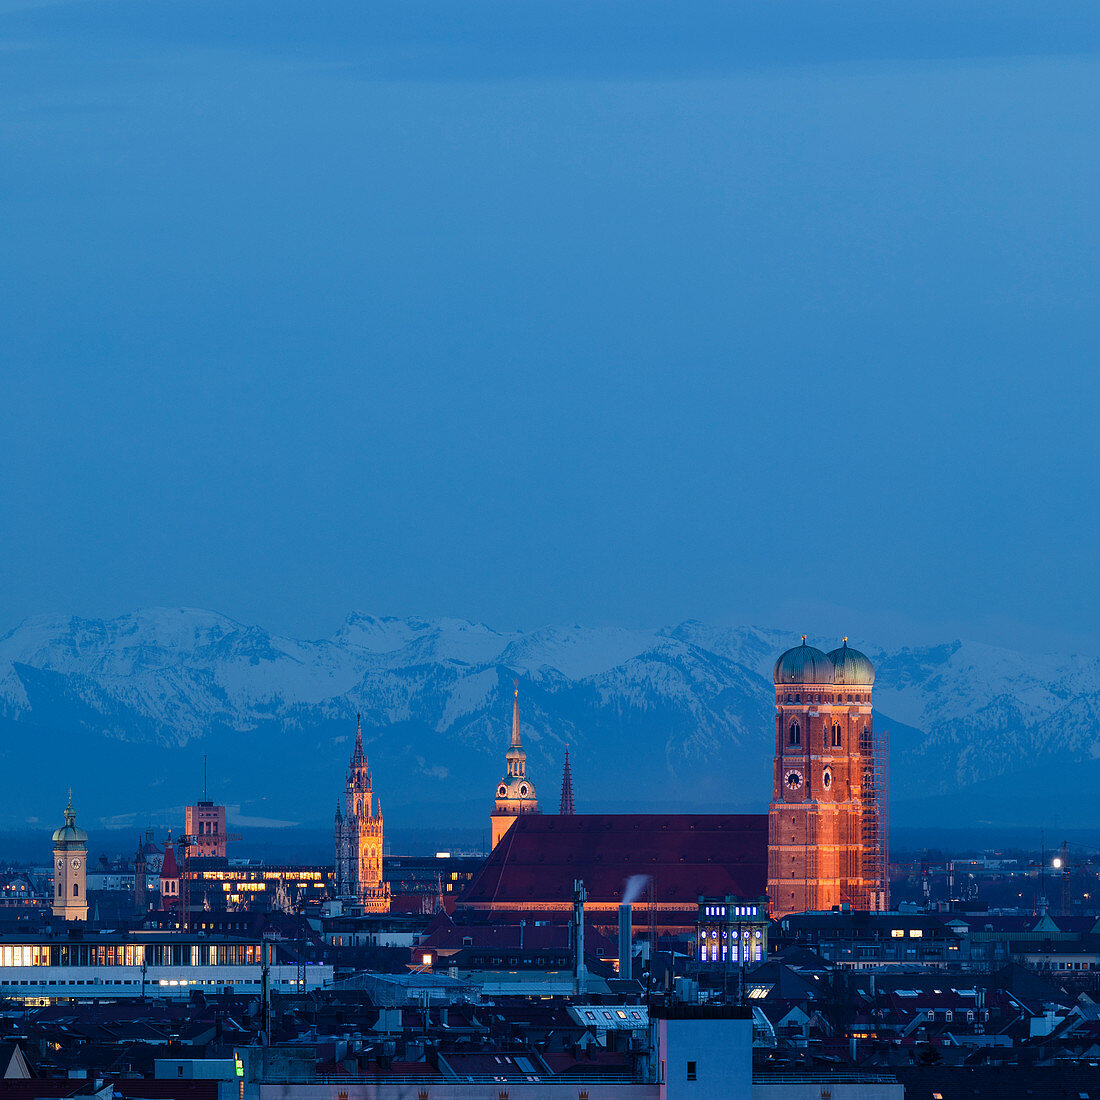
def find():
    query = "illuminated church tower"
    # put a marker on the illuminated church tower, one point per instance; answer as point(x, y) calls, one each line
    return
point(827, 818)
point(70, 853)
point(358, 837)
point(515, 792)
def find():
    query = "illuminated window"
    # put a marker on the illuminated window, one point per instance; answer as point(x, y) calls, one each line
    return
point(916, 933)
point(897, 933)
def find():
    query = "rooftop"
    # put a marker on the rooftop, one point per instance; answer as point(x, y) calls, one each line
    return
point(685, 856)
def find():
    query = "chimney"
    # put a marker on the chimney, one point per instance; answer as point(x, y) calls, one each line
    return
point(580, 976)
point(625, 944)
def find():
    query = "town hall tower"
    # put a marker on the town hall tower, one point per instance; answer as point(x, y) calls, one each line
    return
point(357, 834)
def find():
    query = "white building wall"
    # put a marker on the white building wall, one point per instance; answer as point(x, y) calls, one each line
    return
point(718, 1051)
point(814, 1090)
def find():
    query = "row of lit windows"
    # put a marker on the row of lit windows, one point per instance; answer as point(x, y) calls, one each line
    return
point(99, 982)
point(730, 954)
point(713, 934)
point(130, 954)
point(302, 878)
point(858, 697)
point(914, 933)
point(735, 910)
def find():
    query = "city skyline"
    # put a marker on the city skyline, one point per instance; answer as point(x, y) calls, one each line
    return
point(649, 448)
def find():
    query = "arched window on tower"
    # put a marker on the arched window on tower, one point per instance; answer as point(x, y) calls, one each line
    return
point(794, 734)
point(836, 735)
point(76, 889)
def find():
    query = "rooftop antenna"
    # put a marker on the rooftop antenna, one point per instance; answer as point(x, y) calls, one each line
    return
point(204, 777)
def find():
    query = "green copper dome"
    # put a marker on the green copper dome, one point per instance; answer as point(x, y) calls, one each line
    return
point(803, 665)
point(70, 833)
point(853, 669)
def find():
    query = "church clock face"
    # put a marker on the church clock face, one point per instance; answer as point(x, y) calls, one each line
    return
point(61, 865)
point(792, 780)
point(827, 779)
point(523, 791)
point(502, 790)
point(76, 864)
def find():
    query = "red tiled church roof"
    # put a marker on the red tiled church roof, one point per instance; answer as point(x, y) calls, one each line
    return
point(687, 855)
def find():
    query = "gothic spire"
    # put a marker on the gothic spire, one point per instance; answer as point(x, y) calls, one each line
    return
point(567, 787)
point(515, 718)
point(357, 756)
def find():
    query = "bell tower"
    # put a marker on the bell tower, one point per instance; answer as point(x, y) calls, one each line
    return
point(515, 793)
point(820, 813)
point(70, 862)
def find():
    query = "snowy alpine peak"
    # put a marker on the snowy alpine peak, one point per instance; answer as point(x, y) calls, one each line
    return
point(687, 707)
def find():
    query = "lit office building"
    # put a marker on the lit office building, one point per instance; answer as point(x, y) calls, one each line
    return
point(113, 965)
point(732, 931)
point(231, 886)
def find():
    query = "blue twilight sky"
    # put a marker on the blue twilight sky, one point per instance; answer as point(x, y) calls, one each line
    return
point(538, 311)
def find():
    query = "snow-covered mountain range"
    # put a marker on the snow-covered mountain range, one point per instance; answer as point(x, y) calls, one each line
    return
point(122, 710)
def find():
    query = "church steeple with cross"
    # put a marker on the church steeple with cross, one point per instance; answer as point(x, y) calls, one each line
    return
point(515, 793)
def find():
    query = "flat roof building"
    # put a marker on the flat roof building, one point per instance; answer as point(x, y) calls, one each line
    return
point(64, 966)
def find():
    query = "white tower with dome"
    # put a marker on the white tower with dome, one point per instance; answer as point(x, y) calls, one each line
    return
point(70, 868)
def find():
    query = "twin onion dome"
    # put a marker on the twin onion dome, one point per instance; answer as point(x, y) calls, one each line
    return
point(806, 665)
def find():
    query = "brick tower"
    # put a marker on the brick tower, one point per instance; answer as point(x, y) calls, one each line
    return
point(821, 818)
